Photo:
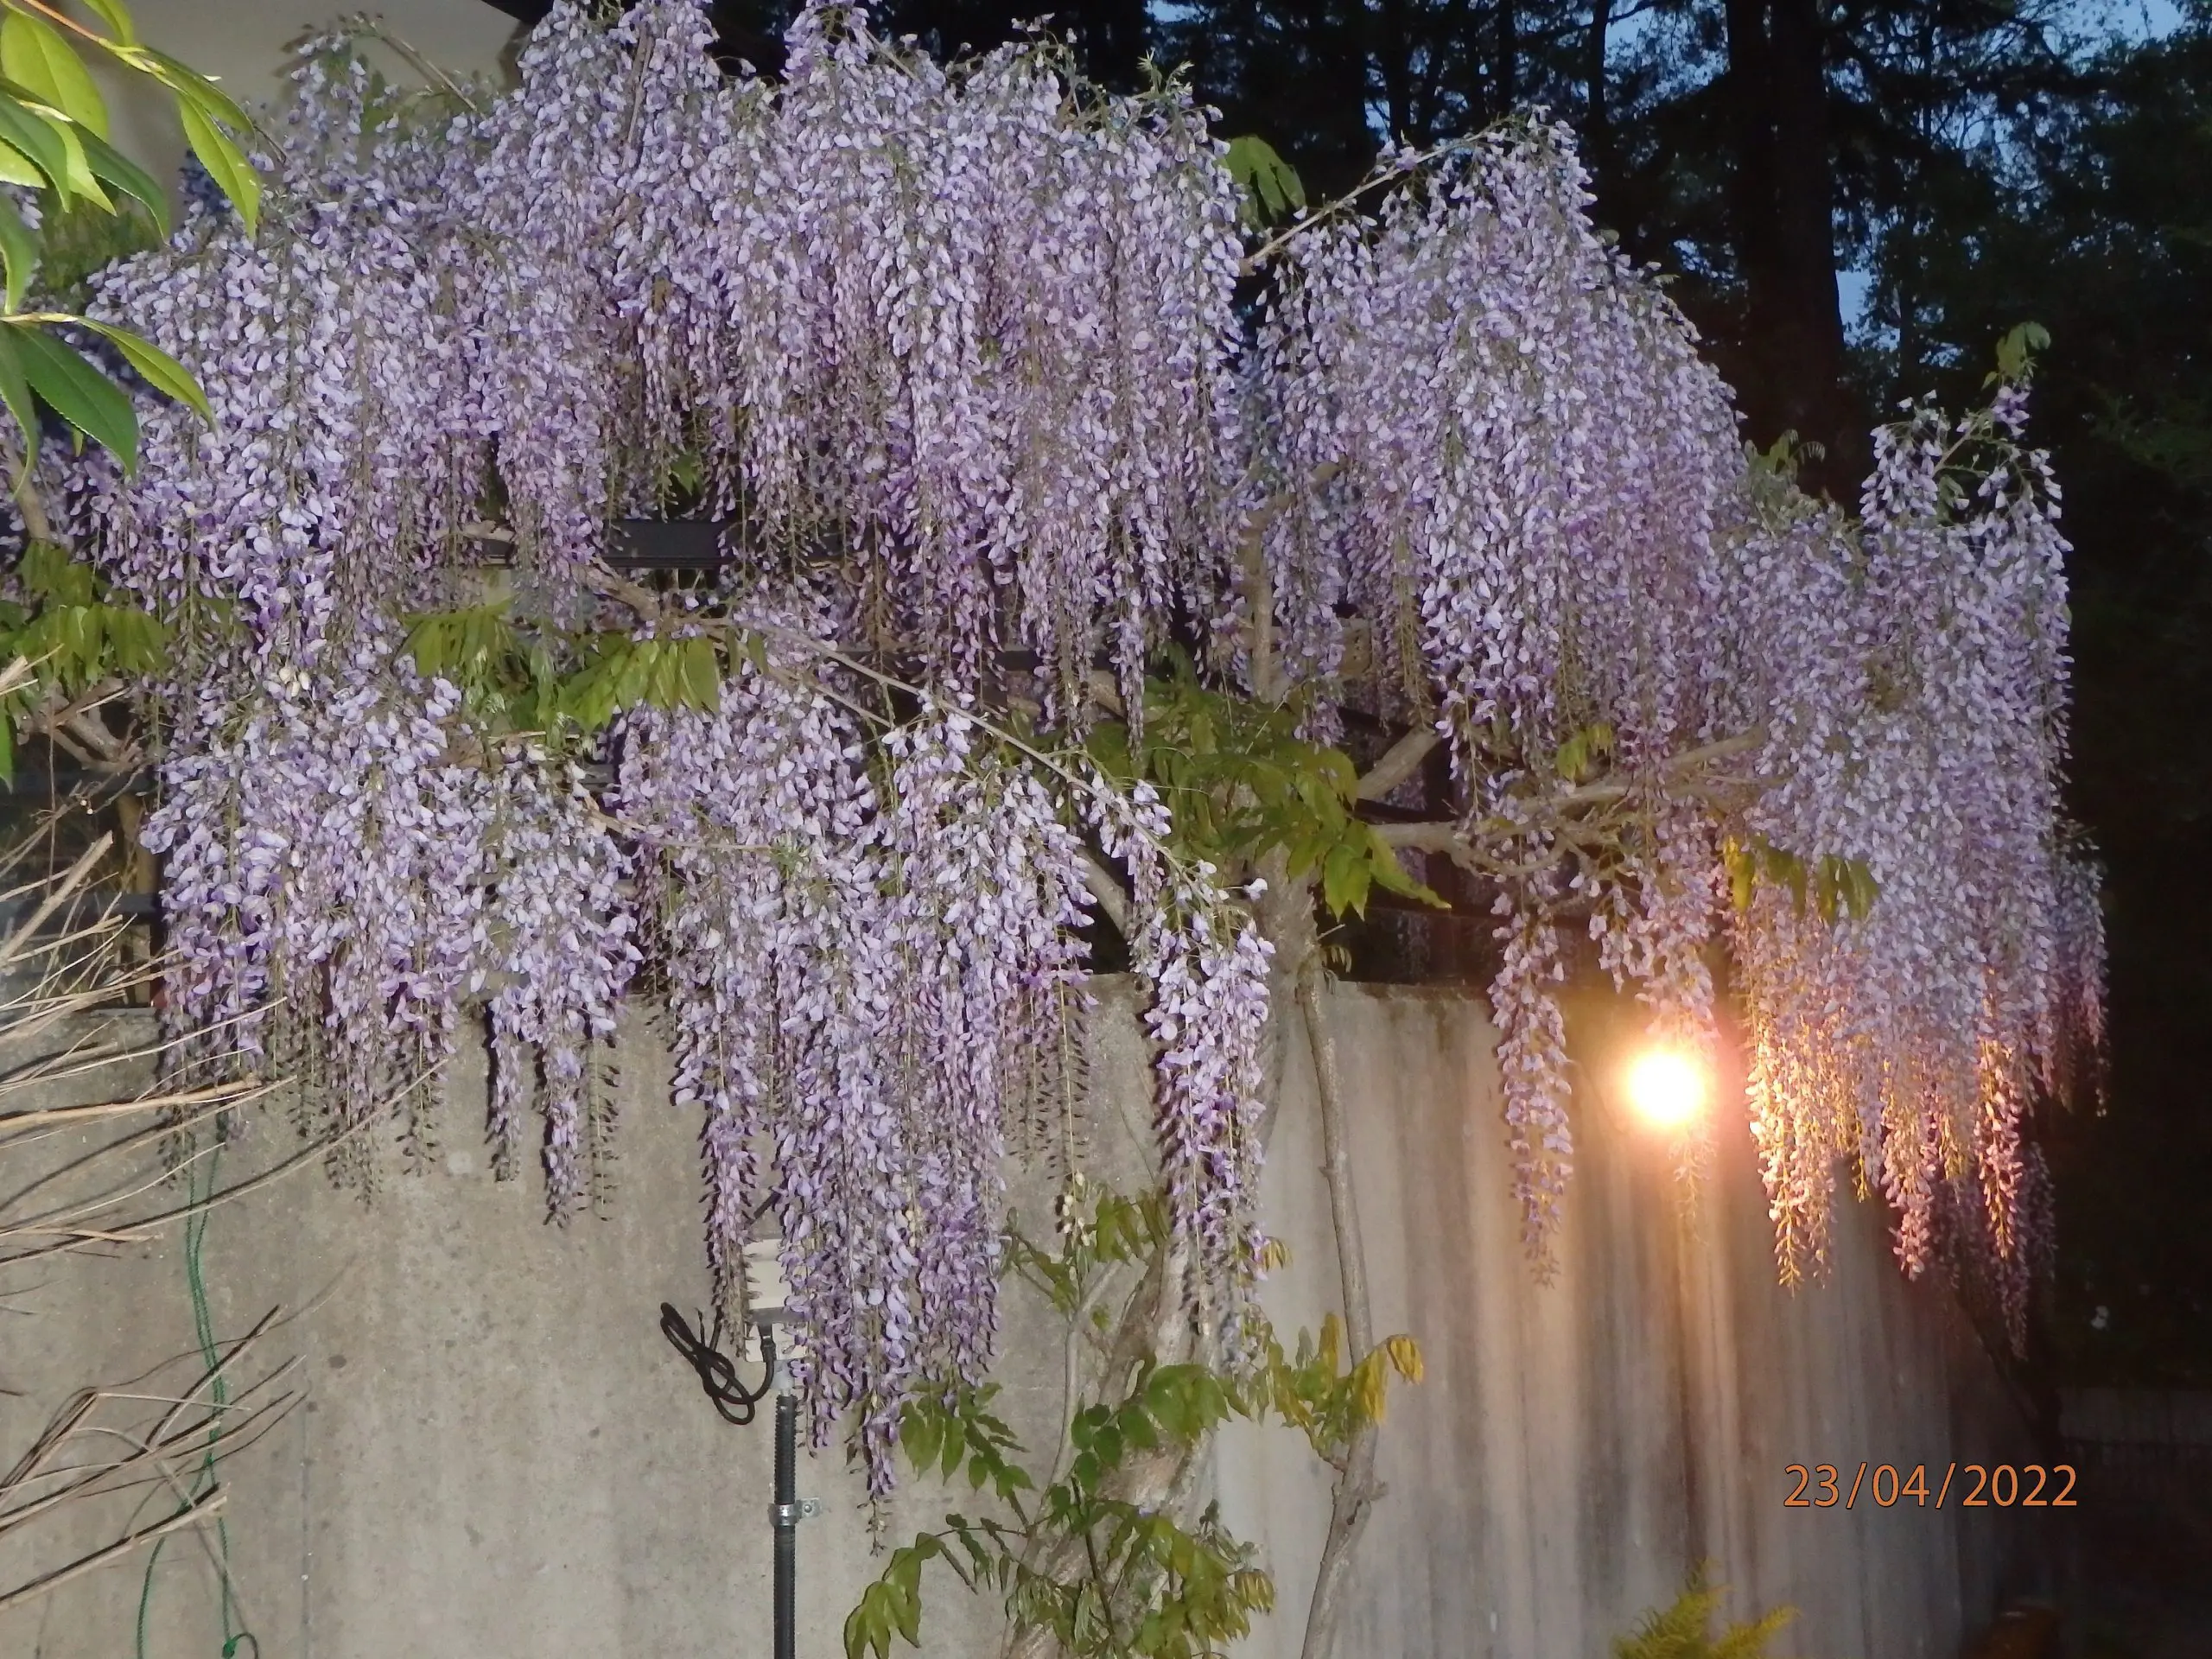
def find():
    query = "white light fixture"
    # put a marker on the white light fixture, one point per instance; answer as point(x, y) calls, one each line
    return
point(765, 1294)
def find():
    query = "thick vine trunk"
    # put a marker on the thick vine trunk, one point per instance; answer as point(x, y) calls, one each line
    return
point(1353, 1498)
point(1154, 1324)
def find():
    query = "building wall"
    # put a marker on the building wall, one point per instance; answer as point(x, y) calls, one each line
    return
point(497, 1455)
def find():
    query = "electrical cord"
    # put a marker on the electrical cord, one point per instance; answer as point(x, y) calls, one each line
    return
point(717, 1370)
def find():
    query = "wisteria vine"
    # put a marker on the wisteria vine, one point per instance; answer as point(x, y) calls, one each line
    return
point(1851, 728)
point(955, 354)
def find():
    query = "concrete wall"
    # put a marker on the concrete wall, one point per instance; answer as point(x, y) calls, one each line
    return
point(1578, 1444)
point(244, 44)
point(498, 1456)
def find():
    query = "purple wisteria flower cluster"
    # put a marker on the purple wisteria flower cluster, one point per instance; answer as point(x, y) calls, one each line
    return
point(958, 336)
point(1920, 727)
point(1532, 506)
point(955, 353)
point(855, 969)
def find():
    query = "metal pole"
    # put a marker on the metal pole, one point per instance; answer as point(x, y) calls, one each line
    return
point(785, 1516)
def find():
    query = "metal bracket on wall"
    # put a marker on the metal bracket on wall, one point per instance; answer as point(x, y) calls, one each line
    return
point(790, 1514)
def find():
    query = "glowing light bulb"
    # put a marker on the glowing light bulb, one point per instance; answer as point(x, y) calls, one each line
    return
point(1667, 1087)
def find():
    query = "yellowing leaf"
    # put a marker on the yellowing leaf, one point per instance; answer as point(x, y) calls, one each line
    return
point(1332, 1340)
point(1370, 1387)
point(1405, 1357)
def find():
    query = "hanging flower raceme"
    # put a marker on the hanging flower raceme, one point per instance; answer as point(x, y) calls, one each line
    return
point(967, 338)
point(855, 975)
point(1492, 445)
point(1918, 731)
point(1498, 489)
point(954, 355)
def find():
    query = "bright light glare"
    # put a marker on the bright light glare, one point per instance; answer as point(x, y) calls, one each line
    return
point(1667, 1087)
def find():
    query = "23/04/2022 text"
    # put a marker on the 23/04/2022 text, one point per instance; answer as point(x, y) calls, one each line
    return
point(2003, 1486)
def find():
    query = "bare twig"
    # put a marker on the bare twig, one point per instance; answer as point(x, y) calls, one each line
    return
point(218, 1426)
point(1571, 815)
point(140, 1228)
point(423, 65)
point(92, 1450)
point(224, 1093)
point(1398, 169)
point(20, 940)
point(207, 1504)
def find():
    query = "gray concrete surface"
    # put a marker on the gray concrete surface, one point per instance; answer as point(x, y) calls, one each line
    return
point(244, 46)
point(498, 1457)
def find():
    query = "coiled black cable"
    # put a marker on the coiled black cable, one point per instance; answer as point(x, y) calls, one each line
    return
point(717, 1370)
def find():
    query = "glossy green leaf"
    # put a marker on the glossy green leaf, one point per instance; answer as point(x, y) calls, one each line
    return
point(32, 53)
point(75, 181)
point(15, 393)
point(16, 168)
point(18, 253)
point(36, 140)
point(84, 184)
point(116, 16)
point(225, 162)
point(111, 165)
point(160, 371)
point(79, 393)
point(196, 91)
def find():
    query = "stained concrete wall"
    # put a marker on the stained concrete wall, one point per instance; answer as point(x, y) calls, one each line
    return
point(498, 1456)
point(1578, 1444)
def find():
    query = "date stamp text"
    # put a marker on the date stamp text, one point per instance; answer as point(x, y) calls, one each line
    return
point(1969, 1486)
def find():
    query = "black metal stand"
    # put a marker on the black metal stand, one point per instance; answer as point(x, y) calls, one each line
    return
point(718, 1376)
point(785, 1517)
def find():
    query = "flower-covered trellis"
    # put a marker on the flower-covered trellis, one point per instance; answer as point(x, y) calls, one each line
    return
point(959, 357)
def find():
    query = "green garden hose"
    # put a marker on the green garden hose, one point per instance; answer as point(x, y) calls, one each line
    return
point(203, 1331)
